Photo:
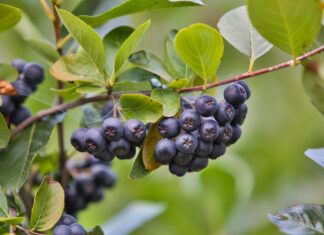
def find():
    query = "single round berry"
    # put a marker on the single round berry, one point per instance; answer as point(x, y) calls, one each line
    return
point(62, 230)
point(6, 106)
point(186, 143)
point(129, 155)
point(33, 73)
point(94, 140)
point(112, 129)
point(135, 131)
point(119, 147)
point(206, 105)
point(96, 196)
point(237, 132)
point(225, 134)
point(165, 150)
point(198, 163)
point(204, 148)
point(177, 170)
point(104, 156)
point(23, 89)
point(77, 229)
point(169, 127)
point(240, 114)
point(246, 87)
point(235, 94)
point(19, 64)
point(183, 159)
point(77, 139)
point(19, 115)
point(85, 184)
point(103, 176)
point(66, 220)
point(189, 120)
point(225, 113)
point(209, 130)
point(218, 150)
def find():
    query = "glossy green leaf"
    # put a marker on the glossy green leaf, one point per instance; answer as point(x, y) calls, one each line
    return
point(5, 133)
point(112, 43)
point(179, 83)
point(95, 231)
point(291, 25)
point(130, 44)
point(48, 205)
point(86, 36)
point(132, 86)
point(170, 100)
point(138, 169)
point(8, 72)
point(16, 159)
point(134, 6)
point(12, 220)
point(44, 48)
point(201, 47)
point(134, 74)
point(236, 28)
point(91, 117)
point(9, 17)
point(3, 204)
point(317, 155)
point(141, 107)
point(301, 219)
point(173, 62)
point(148, 61)
point(76, 68)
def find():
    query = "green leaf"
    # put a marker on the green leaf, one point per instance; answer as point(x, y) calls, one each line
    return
point(90, 89)
point(236, 28)
point(86, 36)
point(138, 169)
point(5, 133)
point(48, 205)
point(317, 155)
point(112, 43)
point(9, 17)
point(76, 68)
point(16, 159)
point(302, 219)
point(211, 91)
point(65, 91)
point(179, 83)
point(91, 116)
point(134, 74)
point(8, 72)
point(130, 44)
point(291, 25)
point(132, 86)
point(141, 107)
point(95, 231)
point(3, 204)
point(134, 6)
point(44, 48)
point(12, 220)
point(148, 61)
point(173, 61)
point(201, 47)
point(170, 100)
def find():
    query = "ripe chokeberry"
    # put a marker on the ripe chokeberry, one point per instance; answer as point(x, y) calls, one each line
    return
point(135, 131)
point(198, 163)
point(189, 120)
point(94, 140)
point(204, 148)
point(112, 129)
point(62, 230)
point(23, 89)
point(246, 87)
point(218, 150)
point(225, 134)
point(240, 114)
point(104, 156)
point(33, 73)
point(236, 134)
point(165, 150)
point(169, 127)
point(206, 105)
point(19, 115)
point(77, 139)
point(103, 176)
point(119, 147)
point(96, 196)
point(85, 185)
point(209, 130)
point(77, 229)
point(66, 220)
point(225, 113)
point(7, 106)
point(187, 143)
point(177, 170)
point(182, 159)
point(235, 94)
point(19, 64)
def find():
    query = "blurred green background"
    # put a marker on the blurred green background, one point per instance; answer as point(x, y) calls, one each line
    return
point(264, 172)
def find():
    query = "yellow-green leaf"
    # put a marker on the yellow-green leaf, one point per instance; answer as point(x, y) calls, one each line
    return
point(9, 17)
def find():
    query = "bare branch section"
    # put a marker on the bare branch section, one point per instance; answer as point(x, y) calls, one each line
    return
point(73, 104)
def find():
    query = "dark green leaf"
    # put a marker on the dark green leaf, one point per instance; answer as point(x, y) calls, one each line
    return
point(291, 25)
point(48, 205)
point(91, 116)
point(16, 159)
point(5, 133)
point(141, 107)
point(9, 17)
point(96, 231)
point(132, 86)
point(3, 204)
point(170, 100)
point(8, 72)
point(301, 219)
point(138, 169)
point(44, 48)
point(12, 220)
point(179, 83)
point(134, 6)
point(134, 75)
point(148, 61)
point(317, 155)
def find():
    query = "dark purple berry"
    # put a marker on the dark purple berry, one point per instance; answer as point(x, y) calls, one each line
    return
point(225, 134)
point(183, 159)
point(198, 163)
point(189, 120)
point(165, 150)
point(66, 220)
point(186, 143)
point(119, 147)
point(169, 127)
point(74, 201)
point(225, 113)
point(19, 115)
point(240, 114)
point(177, 169)
point(33, 73)
point(6, 106)
point(103, 176)
point(62, 230)
point(112, 129)
point(135, 131)
point(218, 150)
point(23, 89)
point(104, 156)
point(85, 184)
point(236, 134)
point(77, 139)
point(129, 155)
point(96, 196)
point(204, 148)
point(246, 87)
point(235, 94)
point(94, 140)
point(206, 105)
point(19, 64)
point(209, 130)
point(77, 229)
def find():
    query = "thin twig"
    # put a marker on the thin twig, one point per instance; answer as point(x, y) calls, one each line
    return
point(28, 231)
point(47, 9)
